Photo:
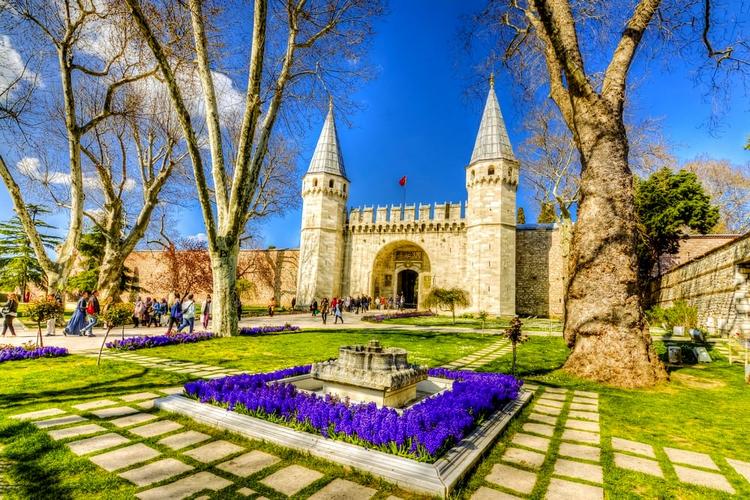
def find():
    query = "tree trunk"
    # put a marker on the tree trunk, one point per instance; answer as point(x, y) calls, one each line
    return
point(224, 297)
point(513, 366)
point(110, 272)
point(604, 321)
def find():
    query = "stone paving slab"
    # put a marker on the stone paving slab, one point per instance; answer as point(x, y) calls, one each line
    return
point(213, 451)
point(292, 479)
point(584, 415)
point(79, 430)
point(742, 468)
point(49, 412)
point(633, 447)
point(97, 443)
point(584, 407)
point(118, 411)
point(156, 428)
point(54, 422)
point(139, 396)
point(582, 425)
point(585, 400)
point(582, 436)
point(146, 405)
point(484, 493)
point(124, 457)
point(554, 397)
point(92, 405)
point(638, 464)
point(543, 429)
point(186, 487)
point(525, 458)
point(579, 470)
point(249, 463)
point(588, 394)
point(155, 472)
point(546, 409)
point(246, 492)
point(702, 478)
point(549, 402)
point(341, 489)
point(580, 451)
point(184, 439)
point(533, 442)
point(531, 387)
point(693, 458)
point(546, 419)
point(560, 489)
point(557, 390)
point(172, 390)
point(512, 478)
point(137, 418)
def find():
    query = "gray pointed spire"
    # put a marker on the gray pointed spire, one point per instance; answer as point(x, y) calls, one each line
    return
point(492, 141)
point(327, 157)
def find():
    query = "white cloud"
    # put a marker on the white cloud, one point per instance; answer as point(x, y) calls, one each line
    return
point(202, 237)
point(129, 185)
point(12, 67)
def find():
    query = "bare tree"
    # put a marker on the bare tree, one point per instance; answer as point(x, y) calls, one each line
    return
point(567, 42)
point(729, 187)
point(298, 50)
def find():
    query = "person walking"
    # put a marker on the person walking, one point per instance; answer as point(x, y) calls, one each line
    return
point(138, 312)
point(324, 309)
point(78, 320)
point(314, 308)
point(188, 314)
point(338, 313)
point(175, 314)
point(10, 311)
point(294, 303)
point(164, 312)
point(92, 314)
point(52, 322)
point(206, 311)
point(271, 306)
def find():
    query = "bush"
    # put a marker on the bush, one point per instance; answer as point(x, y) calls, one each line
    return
point(41, 310)
point(117, 314)
point(679, 314)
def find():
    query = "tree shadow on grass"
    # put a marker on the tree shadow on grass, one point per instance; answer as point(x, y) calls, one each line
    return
point(32, 470)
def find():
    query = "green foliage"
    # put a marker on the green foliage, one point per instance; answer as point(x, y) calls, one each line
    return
point(44, 309)
point(245, 286)
point(515, 334)
point(667, 203)
point(521, 219)
point(448, 298)
point(117, 314)
point(19, 266)
point(546, 213)
point(85, 280)
point(482, 316)
point(91, 247)
point(679, 314)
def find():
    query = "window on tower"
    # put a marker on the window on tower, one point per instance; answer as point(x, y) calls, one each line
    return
point(491, 171)
point(330, 183)
point(344, 186)
point(315, 182)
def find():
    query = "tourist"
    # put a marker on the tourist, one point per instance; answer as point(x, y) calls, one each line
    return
point(138, 312)
point(164, 312)
point(188, 314)
point(314, 308)
point(52, 322)
point(92, 314)
point(294, 303)
point(154, 313)
point(324, 309)
point(337, 313)
point(239, 307)
point(401, 302)
point(147, 312)
point(206, 311)
point(271, 306)
point(175, 314)
point(78, 320)
point(9, 311)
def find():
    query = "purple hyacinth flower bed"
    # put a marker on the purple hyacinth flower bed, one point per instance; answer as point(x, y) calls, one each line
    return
point(260, 330)
point(422, 432)
point(379, 318)
point(144, 342)
point(19, 353)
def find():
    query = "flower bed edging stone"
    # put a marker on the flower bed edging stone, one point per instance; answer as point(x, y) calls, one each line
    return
point(438, 478)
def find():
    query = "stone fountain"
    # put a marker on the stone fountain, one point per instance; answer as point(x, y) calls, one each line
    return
point(370, 373)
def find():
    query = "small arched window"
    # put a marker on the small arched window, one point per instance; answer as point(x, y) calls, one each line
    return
point(491, 171)
point(315, 182)
point(344, 186)
point(473, 174)
point(330, 183)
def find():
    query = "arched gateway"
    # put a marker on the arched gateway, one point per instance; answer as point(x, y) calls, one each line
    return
point(401, 267)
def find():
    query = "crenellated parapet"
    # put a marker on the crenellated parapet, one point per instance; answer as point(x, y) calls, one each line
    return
point(505, 171)
point(408, 218)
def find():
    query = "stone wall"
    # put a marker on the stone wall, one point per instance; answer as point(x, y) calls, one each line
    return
point(714, 283)
point(693, 247)
point(539, 270)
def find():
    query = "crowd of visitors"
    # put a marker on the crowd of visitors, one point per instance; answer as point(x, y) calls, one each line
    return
point(337, 306)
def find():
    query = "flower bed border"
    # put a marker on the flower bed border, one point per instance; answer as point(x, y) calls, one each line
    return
point(379, 318)
point(19, 353)
point(438, 478)
point(150, 341)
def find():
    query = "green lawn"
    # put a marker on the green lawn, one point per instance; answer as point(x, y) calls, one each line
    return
point(492, 323)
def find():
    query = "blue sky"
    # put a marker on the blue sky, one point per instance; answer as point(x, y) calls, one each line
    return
point(416, 119)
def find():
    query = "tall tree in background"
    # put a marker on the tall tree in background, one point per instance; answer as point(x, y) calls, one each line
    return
point(93, 249)
point(19, 267)
point(299, 50)
point(729, 188)
point(565, 43)
point(667, 203)
point(521, 218)
point(547, 213)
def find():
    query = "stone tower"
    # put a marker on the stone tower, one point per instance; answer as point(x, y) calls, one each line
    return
point(325, 190)
point(491, 182)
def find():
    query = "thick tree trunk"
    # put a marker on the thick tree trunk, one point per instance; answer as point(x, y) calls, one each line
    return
point(224, 297)
point(110, 272)
point(604, 321)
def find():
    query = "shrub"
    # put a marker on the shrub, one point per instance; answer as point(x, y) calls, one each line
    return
point(679, 314)
point(448, 298)
point(118, 314)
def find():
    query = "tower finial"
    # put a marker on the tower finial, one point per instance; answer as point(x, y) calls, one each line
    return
point(492, 79)
point(330, 102)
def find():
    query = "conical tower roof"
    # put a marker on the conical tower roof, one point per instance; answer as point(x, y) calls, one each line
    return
point(492, 141)
point(327, 157)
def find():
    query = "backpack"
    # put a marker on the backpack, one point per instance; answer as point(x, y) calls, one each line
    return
point(90, 307)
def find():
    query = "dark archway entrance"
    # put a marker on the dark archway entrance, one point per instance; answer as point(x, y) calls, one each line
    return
point(407, 284)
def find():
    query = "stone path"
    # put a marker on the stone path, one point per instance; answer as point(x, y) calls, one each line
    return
point(199, 370)
point(163, 460)
point(482, 357)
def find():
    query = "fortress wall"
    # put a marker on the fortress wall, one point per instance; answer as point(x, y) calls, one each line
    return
point(438, 212)
point(539, 270)
point(714, 283)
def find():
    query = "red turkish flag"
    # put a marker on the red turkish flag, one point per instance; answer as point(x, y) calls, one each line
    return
point(402, 182)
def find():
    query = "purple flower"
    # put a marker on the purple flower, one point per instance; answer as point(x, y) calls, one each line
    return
point(144, 342)
point(18, 353)
point(423, 431)
point(258, 330)
point(379, 318)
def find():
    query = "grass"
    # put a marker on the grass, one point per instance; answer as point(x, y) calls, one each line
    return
point(492, 323)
